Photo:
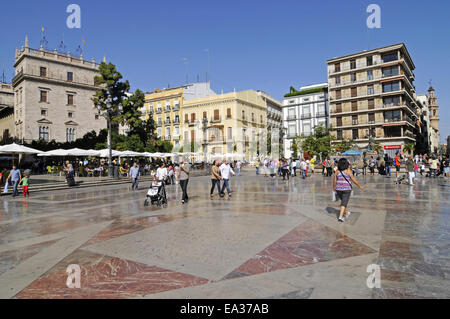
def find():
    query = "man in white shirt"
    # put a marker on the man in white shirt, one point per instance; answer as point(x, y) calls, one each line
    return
point(238, 166)
point(225, 171)
point(161, 173)
point(303, 166)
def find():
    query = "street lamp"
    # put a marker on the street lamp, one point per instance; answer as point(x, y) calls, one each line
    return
point(204, 128)
point(108, 115)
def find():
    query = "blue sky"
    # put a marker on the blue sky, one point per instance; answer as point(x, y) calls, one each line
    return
point(266, 45)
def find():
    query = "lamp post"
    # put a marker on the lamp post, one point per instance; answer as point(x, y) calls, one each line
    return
point(204, 128)
point(108, 115)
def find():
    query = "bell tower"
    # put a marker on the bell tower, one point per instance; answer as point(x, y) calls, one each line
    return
point(434, 109)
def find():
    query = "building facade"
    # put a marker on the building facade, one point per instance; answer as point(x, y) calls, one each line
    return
point(371, 93)
point(229, 123)
point(303, 111)
point(53, 95)
point(434, 120)
point(166, 108)
point(6, 112)
point(274, 111)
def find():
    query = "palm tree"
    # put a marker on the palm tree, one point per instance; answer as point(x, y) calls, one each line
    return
point(408, 148)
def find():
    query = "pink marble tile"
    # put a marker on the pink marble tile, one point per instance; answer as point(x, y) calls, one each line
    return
point(104, 277)
point(307, 244)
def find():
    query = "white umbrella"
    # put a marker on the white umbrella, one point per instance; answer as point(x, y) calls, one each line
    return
point(80, 152)
point(105, 153)
point(58, 152)
point(17, 149)
point(130, 154)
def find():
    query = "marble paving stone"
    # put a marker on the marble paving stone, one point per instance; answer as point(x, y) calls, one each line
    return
point(204, 245)
point(298, 294)
point(106, 278)
point(308, 243)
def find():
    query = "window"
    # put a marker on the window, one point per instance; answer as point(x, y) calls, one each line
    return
point(43, 112)
point(186, 118)
point(339, 108)
point(370, 90)
point(353, 77)
point(371, 104)
point(371, 118)
point(69, 99)
point(354, 106)
point(338, 94)
point(291, 113)
point(339, 121)
point(177, 119)
point(43, 133)
point(159, 120)
point(395, 131)
point(392, 116)
point(70, 134)
point(43, 96)
point(307, 129)
point(43, 72)
point(337, 67)
point(390, 57)
point(355, 134)
point(338, 80)
point(339, 134)
point(291, 130)
point(159, 132)
point(306, 110)
point(193, 117)
point(390, 71)
point(370, 75)
point(70, 115)
point(391, 101)
point(176, 131)
point(243, 115)
point(230, 133)
point(354, 91)
point(352, 64)
point(391, 86)
point(253, 117)
point(306, 99)
point(355, 119)
point(369, 61)
point(70, 76)
point(216, 115)
point(261, 119)
point(228, 113)
point(291, 101)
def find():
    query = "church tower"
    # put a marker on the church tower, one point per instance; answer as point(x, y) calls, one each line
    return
point(434, 119)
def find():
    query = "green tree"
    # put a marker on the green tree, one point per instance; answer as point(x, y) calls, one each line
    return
point(408, 148)
point(316, 144)
point(344, 146)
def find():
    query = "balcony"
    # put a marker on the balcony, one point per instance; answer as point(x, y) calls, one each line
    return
point(291, 135)
point(158, 111)
point(159, 124)
point(167, 109)
point(291, 117)
point(216, 119)
point(355, 122)
point(321, 114)
point(358, 66)
point(176, 107)
point(168, 122)
point(167, 138)
point(305, 116)
point(176, 121)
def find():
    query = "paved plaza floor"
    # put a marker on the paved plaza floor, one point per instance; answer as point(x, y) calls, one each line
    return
point(272, 239)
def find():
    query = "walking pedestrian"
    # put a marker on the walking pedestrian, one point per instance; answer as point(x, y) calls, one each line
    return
point(397, 164)
point(388, 163)
point(328, 166)
point(238, 166)
point(215, 178)
point(433, 167)
point(184, 169)
point(343, 187)
point(25, 184)
point(134, 175)
point(410, 168)
point(225, 171)
point(15, 176)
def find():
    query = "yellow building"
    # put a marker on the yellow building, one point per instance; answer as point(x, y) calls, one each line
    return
point(166, 108)
point(234, 122)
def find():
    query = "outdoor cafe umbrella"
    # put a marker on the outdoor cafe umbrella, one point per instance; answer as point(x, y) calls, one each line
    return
point(105, 153)
point(17, 149)
point(130, 154)
point(80, 152)
point(58, 152)
point(352, 153)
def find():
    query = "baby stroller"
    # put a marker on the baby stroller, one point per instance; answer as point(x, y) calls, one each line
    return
point(401, 180)
point(156, 194)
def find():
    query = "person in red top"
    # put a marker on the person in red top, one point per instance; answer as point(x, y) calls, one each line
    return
point(397, 164)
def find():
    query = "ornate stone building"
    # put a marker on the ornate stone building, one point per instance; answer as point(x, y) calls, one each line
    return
point(434, 120)
point(6, 112)
point(53, 95)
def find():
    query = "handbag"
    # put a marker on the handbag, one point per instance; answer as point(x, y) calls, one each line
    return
point(334, 196)
point(5, 190)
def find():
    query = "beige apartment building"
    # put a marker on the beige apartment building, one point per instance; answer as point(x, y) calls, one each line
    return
point(231, 122)
point(53, 96)
point(166, 108)
point(372, 93)
point(6, 112)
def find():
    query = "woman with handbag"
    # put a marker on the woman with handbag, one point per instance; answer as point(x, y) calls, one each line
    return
point(343, 187)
